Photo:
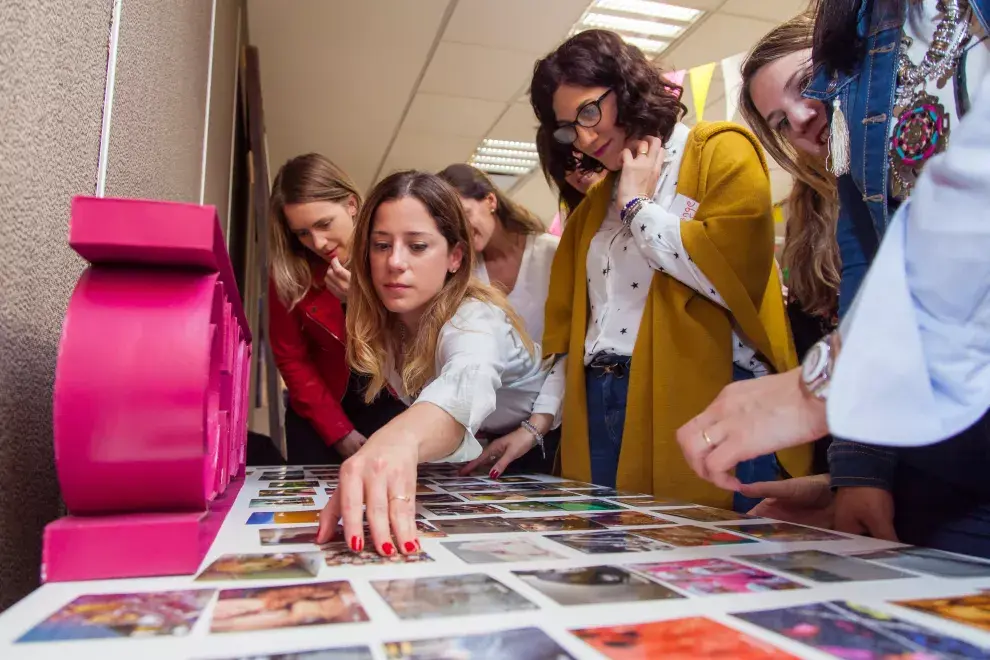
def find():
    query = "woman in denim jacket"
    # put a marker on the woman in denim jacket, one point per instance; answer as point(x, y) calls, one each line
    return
point(874, 150)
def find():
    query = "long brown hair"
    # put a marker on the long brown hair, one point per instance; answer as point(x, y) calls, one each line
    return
point(474, 184)
point(647, 103)
point(303, 179)
point(810, 254)
point(372, 331)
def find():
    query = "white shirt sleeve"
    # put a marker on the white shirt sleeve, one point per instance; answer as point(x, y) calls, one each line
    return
point(551, 398)
point(657, 232)
point(470, 364)
point(915, 361)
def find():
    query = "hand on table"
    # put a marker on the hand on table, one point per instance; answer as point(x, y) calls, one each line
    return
point(379, 481)
point(642, 161)
point(338, 280)
point(802, 500)
point(749, 419)
point(501, 452)
point(865, 510)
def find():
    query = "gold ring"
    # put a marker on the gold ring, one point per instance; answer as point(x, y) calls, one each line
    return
point(402, 498)
point(708, 441)
point(643, 152)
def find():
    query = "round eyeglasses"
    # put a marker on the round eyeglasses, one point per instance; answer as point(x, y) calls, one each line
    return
point(588, 116)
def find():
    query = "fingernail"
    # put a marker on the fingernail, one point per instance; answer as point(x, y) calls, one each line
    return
point(410, 546)
point(360, 545)
point(355, 544)
point(493, 474)
point(388, 549)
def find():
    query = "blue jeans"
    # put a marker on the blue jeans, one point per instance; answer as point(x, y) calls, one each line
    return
point(606, 383)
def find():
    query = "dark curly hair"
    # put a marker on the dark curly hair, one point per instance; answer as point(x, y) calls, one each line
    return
point(647, 103)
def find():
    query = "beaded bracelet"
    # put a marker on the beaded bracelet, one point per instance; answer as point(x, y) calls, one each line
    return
point(536, 435)
point(634, 202)
point(634, 211)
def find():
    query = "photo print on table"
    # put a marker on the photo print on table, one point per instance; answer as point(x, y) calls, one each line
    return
point(461, 509)
point(105, 616)
point(782, 532)
point(690, 536)
point(260, 503)
point(492, 525)
point(266, 608)
point(589, 505)
point(929, 561)
point(288, 535)
point(452, 595)
point(438, 498)
point(533, 507)
point(821, 566)
point(651, 502)
point(281, 476)
point(312, 483)
point(969, 610)
point(507, 496)
point(490, 550)
point(338, 554)
point(626, 519)
point(349, 653)
point(273, 566)
point(847, 630)
point(424, 528)
point(713, 577)
point(283, 517)
point(569, 523)
point(286, 492)
point(707, 514)
point(678, 639)
point(516, 644)
point(595, 584)
point(608, 542)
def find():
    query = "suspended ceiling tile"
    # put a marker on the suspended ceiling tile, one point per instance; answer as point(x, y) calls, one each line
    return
point(518, 123)
point(522, 25)
point(775, 11)
point(451, 115)
point(716, 36)
point(477, 72)
point(426, 151)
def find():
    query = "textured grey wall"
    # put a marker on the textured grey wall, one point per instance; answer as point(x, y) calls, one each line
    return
point(53, 59)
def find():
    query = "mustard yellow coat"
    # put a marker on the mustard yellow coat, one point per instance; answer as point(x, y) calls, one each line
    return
point(683, 353)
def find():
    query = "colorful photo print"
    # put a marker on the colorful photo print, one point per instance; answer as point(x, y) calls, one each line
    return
point(518, 644)
point(274, 566)
point(104, 616)
point(824, 567)
point(350, 653)
point(285, 501)
point(338, 554)
point(288, 535)
point(690, 536)
point(589, 505)
point(287, 492)
point(626, 519)
point(972, 610)
point(281, 476)
point(453, 595)
point(557, 524)
point(265, 608)
point(707, 514)
point(568, 485)
point(650, 502)
point(461, 509)
point(538, 493)
point(713, 577)
point(439, 498)
point(520, 480)
point(930, 562)
point(294, 484)
point(603, 543)
point(533, 507)
point(423, 489)
point(427, 530)
point(594, 584)
point(283, 517)
point(474, 526)
point(678, 639)
point(507, 496)
point(489, 551)
point(781, 532)
point(845, 630)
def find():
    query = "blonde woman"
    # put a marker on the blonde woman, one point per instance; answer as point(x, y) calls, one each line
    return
point(420, 323)
point(312, 210)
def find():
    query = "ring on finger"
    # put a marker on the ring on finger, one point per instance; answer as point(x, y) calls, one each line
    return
point(708, 440)
point(401, 498)
point(643, 152)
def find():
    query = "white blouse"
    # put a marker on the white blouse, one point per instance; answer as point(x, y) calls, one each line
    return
point(622, 262)
point(529, 298)
point(486, 379)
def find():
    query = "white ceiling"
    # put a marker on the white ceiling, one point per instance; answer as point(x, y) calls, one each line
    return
point(381, 85)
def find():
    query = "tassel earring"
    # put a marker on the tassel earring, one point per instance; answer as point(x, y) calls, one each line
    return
point(838, 142)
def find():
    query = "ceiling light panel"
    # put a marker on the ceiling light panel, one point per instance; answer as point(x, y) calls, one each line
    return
point(505, 157)
point(646, 8)
point(648, 25)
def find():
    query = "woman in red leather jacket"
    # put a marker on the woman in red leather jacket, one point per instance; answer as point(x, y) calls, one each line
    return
point(313, 206)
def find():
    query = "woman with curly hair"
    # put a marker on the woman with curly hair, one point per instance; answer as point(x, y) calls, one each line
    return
point(664, 283)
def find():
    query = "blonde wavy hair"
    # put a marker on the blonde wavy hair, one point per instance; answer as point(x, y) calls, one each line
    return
point(372, 331)
point(303, 179)
point(811, 253)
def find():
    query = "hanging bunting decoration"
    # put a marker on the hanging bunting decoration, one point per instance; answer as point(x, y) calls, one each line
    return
point(701, 81)
point(732, 76)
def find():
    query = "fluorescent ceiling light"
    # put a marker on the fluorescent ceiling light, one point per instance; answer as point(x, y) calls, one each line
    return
point(631, 25)
point(507, 157)
point(651, 9)
point(511, 153)
point(509, 144)
point(504, 169)
point(648, 46)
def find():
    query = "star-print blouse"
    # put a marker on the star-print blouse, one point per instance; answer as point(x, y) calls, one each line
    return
point(622, 261)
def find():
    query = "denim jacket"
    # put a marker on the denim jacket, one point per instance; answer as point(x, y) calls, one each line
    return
point(866, 98)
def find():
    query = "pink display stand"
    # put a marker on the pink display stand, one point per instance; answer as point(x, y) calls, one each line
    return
point(151, 393)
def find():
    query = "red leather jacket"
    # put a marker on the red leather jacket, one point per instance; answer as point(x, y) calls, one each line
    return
point(308, 345)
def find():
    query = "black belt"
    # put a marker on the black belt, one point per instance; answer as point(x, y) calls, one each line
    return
point(606, 363)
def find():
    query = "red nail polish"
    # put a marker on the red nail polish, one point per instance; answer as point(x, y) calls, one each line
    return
point(493, 474)
point(388, 549)
point(360, 545)
point(355, 544)
point(410, 546)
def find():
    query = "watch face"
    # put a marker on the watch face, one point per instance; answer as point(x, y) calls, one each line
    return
point(814, 363)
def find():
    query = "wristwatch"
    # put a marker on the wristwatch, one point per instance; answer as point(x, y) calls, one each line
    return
point(819, 361)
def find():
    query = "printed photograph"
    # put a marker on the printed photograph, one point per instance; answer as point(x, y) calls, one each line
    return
point(461, 509)
point(105, 616)
point(689, 536)
point(426, 529)
point(529, 506)
point(714, 577)
point(595, 584)
point(824, 567)
point(782, 532)
point(438, 498)
point(474, 526)
point(679, 639)
point(846, 630)
point(520, 480)
point(626, 519)
point(589, 505)
point(281, 476)
point(283, 517)
point(265, 608)
point(972, 610)
point(288, 535)
point(541, 492)
point(338, 554)
point(285, 501)
point(287, 492)
point(518, 644)
point(507, 496)
point(453, 595)
point(489, 551)
point(557, 524)
point(274, 566)
point(603, 543)
point(294, 484)
point(650, 502)
point(707, 514)
point(930, 562)
point(350, 653)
